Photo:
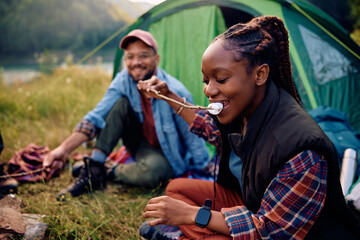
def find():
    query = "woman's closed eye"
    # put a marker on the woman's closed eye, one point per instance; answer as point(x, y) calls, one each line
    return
point(205, 81)
point(221, 80)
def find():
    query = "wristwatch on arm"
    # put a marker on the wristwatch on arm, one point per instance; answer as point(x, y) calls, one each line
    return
point(203, 216)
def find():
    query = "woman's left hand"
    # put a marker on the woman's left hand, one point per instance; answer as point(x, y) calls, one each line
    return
point(155, 84)
point(169, 211)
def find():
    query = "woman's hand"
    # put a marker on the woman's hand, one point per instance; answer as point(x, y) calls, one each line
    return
point(161, 87)
point(153, 83)
point(169, 211)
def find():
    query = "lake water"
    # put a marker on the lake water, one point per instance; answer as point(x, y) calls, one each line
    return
point(25, 73)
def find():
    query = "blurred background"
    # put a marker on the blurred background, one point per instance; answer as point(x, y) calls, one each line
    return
point(38, 32)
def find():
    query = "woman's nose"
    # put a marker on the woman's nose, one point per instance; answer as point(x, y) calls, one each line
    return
point(211, 89)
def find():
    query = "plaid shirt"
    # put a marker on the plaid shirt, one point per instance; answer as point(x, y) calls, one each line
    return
point(291, 202)
point(204, 126)
point(87, 128)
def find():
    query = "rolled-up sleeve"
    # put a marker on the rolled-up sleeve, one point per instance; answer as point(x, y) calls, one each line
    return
point(291, 203)
point(205, 127)
point(86, 128)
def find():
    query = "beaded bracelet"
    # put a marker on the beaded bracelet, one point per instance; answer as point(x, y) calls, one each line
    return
point(181, 107)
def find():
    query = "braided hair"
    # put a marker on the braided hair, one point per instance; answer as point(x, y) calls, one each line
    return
point(262, 40)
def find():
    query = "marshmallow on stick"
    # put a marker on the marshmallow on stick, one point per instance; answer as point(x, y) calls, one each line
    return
point(213, 108)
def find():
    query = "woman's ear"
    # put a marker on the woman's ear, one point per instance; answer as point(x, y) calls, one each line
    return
point(262, 74)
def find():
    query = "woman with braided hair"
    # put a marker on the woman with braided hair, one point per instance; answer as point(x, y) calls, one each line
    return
point(278, 174)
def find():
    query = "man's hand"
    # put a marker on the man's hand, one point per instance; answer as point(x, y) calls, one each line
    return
point(56, 159)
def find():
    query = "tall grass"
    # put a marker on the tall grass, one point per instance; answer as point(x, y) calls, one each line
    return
point(45, 112)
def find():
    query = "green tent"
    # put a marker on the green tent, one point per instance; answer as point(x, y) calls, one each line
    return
point(326, 62)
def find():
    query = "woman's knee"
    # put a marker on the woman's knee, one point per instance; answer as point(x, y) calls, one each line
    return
point(176, 185)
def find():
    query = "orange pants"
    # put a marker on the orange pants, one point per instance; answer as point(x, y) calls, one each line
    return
point(195, 192)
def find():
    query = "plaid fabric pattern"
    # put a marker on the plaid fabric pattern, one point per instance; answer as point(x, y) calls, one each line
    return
point(87, 128)
point(290, 205)
point(205, 127)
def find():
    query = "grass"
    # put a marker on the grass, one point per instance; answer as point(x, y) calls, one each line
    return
point(45, 111)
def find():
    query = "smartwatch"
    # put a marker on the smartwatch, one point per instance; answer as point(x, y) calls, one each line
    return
point(203, 216)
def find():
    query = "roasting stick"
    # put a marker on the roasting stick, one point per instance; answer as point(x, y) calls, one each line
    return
point(180, 103)
point(22, 174)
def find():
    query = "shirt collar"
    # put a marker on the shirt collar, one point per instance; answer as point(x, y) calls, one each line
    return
point(242, 143)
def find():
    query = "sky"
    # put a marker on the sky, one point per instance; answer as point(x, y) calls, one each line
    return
point(148, 1)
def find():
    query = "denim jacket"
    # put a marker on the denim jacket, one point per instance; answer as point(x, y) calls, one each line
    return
point(183, 149)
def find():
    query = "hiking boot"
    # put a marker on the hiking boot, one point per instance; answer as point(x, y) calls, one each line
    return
point(110, 167)
point(7, 184)
point(76, 168)
point(92, 177)
point(159, 232)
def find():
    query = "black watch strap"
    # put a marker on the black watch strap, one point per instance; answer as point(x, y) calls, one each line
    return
point(207, 204)
point(203, 215)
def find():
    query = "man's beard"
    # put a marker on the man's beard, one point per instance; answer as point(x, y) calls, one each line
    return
point(149, 74)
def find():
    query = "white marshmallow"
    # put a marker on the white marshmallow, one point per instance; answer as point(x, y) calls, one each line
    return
point(215, 108)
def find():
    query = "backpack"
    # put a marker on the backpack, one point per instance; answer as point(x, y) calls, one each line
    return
point(336, 126)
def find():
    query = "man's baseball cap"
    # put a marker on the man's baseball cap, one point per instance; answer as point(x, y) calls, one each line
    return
point(144, 36)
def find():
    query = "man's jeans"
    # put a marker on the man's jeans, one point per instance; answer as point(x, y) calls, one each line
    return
point(151, 166)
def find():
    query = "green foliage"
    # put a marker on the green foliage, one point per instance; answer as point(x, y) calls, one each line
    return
point(45, 111)
point(29, 26)
point(355, 14)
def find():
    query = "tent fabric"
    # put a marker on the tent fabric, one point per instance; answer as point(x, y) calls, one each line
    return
point(325, 60)
point(191, 32)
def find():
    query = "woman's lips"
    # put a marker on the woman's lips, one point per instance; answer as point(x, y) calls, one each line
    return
point(225, 106)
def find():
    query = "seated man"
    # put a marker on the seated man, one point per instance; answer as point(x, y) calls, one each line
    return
point(154, 134)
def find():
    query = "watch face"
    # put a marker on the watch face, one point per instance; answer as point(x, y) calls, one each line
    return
point(203, 216)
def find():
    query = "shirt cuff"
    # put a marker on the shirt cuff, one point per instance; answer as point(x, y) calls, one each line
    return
point(197, 126)
point(86, 128)
point(240, 222)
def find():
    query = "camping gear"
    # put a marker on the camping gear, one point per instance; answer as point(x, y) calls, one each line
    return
point(348, 169)
point(325, 60)
point(336, 126)
point(353, 198)
point(26, 164)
